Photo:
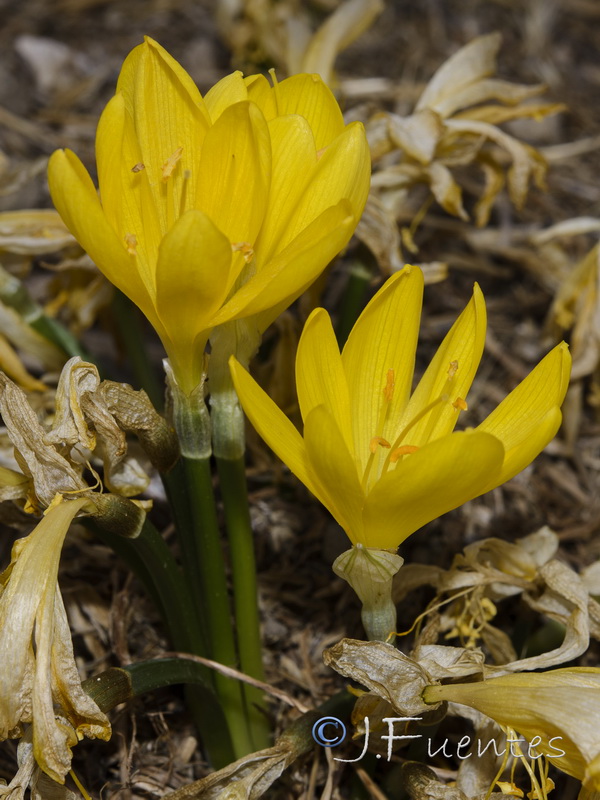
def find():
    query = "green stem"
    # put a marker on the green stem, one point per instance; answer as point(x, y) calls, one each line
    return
point(134, 340)
point(232, 480)
point(205, 565)
point(228, 440)
point(175, 486)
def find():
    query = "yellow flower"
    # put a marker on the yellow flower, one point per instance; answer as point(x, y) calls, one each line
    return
point(383, 461)
point(213, 209)
point(557, 711)
point(39, 682)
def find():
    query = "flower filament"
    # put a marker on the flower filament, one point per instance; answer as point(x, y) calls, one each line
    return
point(397, 449)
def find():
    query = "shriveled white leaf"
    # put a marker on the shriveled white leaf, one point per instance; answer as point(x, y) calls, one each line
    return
point(527, 163)
point(346, 24)
point(418, 135)
point(23, 337)
point(568, 227)
point(488, 89)
point(445, 189)
point(591, 578)
point(443, 662)
point(378, 230)
point(39, 682)
point(249, 777)
point(50, 472)
point(472, 63)
point(33, 232)
point(15, 369)
point(564, 598)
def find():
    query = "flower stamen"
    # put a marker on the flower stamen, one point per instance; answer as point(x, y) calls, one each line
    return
point(378, 441)
point(388, 393)
point(131, 243)
point(168, 167)
point(245, 248)
point(183, 197)
point(404, 450)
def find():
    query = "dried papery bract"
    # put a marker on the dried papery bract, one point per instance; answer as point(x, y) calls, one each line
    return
point(385, 461)
point(54, 460)
point(134, 412)
point(383, 670)
point(370, 572)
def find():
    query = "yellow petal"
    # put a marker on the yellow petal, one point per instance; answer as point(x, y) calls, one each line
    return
point(529, 417)
point(448, 376)
point(343, 171)
point(437, 478)
point(338, 485)
point(559, 707)
point(169, 118)
point(76, 201)
point(126, 195)
point(272, 425)
point(285, 277)
point(235, 172)
point(320, 378)
point(294, 160)
point(308, 96)
point(261, 92)
point(384, 338)
point(229, 90)
point(193, 278)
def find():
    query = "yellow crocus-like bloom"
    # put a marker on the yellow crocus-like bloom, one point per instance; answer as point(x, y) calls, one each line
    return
point(557, 711)
point(385, 461)
point(213, 209)
point(39, 681)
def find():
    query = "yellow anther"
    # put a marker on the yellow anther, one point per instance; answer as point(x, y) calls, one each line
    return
point(378, 441)
point(548, 786)
point(388, 392)
point(405, 450)
point(169, 166)
point(452, 369)
point(461, 404)
point(138, 167)
point(131, 243)
point(508, 787)
point(245, 248)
